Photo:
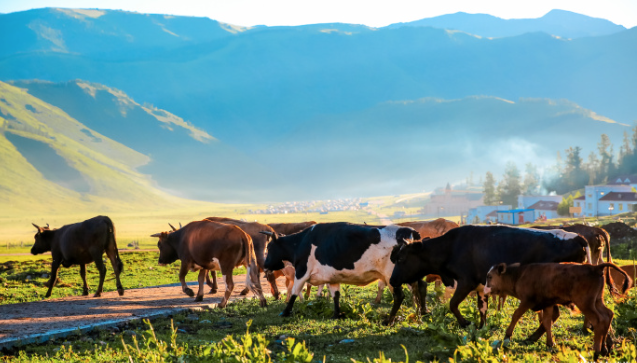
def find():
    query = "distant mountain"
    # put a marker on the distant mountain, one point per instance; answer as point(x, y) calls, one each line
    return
point(50, 162)
point(561, 23)
point(187, 161)
point(418, 144)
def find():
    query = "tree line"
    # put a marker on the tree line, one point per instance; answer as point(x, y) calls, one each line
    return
point(567, 175)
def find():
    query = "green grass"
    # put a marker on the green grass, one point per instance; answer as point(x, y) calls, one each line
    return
point(198, 336)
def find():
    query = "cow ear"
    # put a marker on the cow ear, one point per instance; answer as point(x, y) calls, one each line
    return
point(502, 268)
point(415, 236)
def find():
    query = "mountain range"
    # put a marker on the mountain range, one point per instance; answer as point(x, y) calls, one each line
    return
point(232, 113)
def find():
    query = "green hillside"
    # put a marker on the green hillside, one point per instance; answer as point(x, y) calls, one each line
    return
point(51, 163)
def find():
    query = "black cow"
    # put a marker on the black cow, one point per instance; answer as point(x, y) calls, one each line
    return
point(336, 253)
point(463, 256)
point(80, 244)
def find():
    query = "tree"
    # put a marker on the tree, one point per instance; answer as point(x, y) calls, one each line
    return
point(574, 176)
point(606, 165)
point(592, 166)
point(511, 186)
point(563, 208)
point(531, 182)
point(490, 196)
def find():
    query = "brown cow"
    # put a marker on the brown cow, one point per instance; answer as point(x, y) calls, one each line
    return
point(259, 241)
point(542, 286)
point(210, 246)
point(80, 244)
point(290, 228)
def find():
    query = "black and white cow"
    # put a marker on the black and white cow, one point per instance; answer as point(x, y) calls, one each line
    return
point(337, 253)
point(463, 256)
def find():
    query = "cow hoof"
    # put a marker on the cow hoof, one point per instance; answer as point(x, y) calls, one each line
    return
point(120, 292)
point(464, 323)
point(85, 293)
point(244, 292)
point(277, 296)
point(263, 303)
point(388, 322)
point(189, 292)
point(213, 291)
point(339, 316)
point(47, 296)
point(98, 294)
point(199, 298)
point(285, 314)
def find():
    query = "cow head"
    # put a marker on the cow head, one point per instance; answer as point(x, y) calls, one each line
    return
point(500, 279)
point(276, 253)
point(167, 253)
point(43, 239)
point(407, 264)
point(407, 234)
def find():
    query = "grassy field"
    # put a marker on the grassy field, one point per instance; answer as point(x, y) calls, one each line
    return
point(220, 335)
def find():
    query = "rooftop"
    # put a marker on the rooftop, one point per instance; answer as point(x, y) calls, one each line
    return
point(544, 205)
point(620, 197)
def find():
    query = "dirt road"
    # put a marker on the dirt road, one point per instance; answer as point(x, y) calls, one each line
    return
point(39, 321)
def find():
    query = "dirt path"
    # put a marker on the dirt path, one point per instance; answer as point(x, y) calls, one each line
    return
point(38, 321)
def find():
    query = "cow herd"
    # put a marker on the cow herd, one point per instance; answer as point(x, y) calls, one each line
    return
point(541, 267)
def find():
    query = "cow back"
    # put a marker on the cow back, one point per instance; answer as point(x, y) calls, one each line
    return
point(431, 229)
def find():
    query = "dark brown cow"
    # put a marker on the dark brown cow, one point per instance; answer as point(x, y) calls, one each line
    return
point(259, 241)
point(80, 244)
point(210, 246)
point(290, 228)
point(542, 286)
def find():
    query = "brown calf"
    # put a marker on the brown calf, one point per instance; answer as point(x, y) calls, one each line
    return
point(210, 246)
point(542, 286)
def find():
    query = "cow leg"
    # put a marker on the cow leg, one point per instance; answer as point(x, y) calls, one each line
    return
point(399, 296)
point(296, 290)
point(542, 315)
point(336, 294)
point(289, 283)
point(419, 290)
point(55, 265)
point(183, 271)
point(102, 269)
point(462, 291)
point(202, 279)
point(381, 288)
point(482, 302)
point(252, 280)
point(501, 300)
point(514, 320)
point(547, 322)
point(229, 288)
point(273, 288)
point(212, 284)
point(607, 341)
point(83, 276)
point(113, 256)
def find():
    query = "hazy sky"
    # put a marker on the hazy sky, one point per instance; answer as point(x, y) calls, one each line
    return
point(369, 12)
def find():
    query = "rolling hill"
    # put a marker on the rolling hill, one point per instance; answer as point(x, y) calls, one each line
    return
point(561, 23)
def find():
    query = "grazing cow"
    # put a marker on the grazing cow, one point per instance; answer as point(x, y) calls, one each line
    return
point(618, 278)
point(80, 244)
point(205, 246)
point(290, 228)
point(336, 253)
point(259, 241)
point(464, 255)
point(542, 286)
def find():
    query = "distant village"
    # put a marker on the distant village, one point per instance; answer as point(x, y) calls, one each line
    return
point(322, 207)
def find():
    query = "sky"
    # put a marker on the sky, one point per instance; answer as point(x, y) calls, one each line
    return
point(375, 13)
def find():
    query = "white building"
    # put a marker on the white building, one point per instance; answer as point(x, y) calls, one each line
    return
point(615, 203)
point(546, 208)
point(589, 202)
point(526, 201)
point(479, 214)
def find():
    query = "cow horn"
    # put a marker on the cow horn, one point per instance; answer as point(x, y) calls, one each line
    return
point(36, 226)
point(179, 225)
point(156, 234)
point(267, 233)
point(171, 226)
point(47, 225)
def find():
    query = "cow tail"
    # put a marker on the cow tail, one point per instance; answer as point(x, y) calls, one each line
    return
point(627, 279)
point(606, 239)
point(249, 258)
point(113, 243)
